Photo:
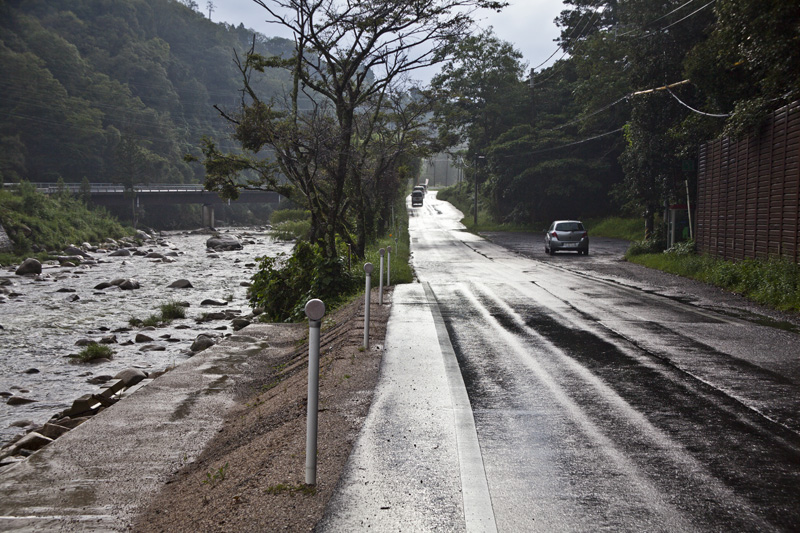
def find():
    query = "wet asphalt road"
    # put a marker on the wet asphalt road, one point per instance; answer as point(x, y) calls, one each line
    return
point(600, 404)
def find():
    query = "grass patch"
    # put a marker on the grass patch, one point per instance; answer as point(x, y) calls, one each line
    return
point(93, 351)
point(629, 229)
point(774, 282)
point(290, 224)
point(283, 488)
point(172, 311)
point(167, 313)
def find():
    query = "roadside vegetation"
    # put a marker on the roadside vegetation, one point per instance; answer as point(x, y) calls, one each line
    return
point(284, 284)
point(38, 223)
point(773, 282)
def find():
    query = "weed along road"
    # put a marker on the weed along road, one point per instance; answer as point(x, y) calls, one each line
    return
point(599, 405)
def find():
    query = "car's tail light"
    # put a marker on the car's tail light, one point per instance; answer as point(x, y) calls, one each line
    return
point(554, 235)
point(585, 234)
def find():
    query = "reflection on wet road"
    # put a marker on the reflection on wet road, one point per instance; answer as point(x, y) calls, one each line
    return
point(599, 406)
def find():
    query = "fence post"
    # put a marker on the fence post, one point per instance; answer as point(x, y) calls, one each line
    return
point(315, 310)
point(388, 266)
point(368, 270)
point(380, 278)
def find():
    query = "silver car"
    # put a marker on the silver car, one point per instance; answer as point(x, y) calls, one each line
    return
point(566, 235)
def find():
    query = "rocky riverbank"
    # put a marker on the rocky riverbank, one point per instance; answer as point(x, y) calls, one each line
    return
point(102, 294)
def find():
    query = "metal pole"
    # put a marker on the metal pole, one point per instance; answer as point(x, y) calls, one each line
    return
point(368, 270)
point(315, 310)
point(388, 266)
point(689, 210)
point(380, 278)
point(476, 192)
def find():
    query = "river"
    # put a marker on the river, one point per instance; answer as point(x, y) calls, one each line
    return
point(40, 322)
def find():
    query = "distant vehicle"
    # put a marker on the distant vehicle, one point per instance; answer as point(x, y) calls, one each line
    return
point(422, 188)
point(566, 235)
point(416, 197)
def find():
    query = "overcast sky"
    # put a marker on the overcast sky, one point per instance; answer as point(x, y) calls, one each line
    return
point(527, 24)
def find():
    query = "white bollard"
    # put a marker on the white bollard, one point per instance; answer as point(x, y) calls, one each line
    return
point(388, 266)
point(315, 310)
point(368, 268)
point(380, 278)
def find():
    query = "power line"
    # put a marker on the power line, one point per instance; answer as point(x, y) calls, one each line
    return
point(687, 106)
point(659, 18)
point(576, 142)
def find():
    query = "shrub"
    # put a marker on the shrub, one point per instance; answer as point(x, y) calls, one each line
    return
point(284, 284)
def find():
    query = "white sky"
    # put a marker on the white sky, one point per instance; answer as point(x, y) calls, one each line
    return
point(527, 24)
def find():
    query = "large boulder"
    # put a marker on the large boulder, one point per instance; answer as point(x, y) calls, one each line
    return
point(74, 250)
point(224, 243)
point(180, 284)
point(29, 266)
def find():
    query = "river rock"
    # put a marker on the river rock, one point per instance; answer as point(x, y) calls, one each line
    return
point(224, 243)
point(142, 235)
point(129, 285)
point(21, 424)
point(131, 376)
point(32, 441)
point(209, 301)
point(122, 252)
point(99, 380)
point(74, 250)
point(155, 255)
point(239, 323)
point(202, 342)
point(52, 431)
point(73, 298)
point(32, 371)
point(141, 337)
point(180, 284)
point(19, 400)
point(29, 266)
point(153, 348)
point(111, 339)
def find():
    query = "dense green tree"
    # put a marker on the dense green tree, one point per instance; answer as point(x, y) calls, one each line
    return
point(346, 66)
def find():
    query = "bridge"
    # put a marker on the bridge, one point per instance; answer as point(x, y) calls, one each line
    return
point(112, 194)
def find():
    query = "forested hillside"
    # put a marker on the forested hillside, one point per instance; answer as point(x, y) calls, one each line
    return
point(616, 122)
point(116, 90)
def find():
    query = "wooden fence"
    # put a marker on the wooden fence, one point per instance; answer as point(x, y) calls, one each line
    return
point(748, 192)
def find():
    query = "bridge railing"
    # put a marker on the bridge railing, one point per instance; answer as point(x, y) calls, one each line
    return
point(97, 188)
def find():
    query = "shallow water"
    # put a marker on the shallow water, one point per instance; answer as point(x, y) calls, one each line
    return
point(40, 326)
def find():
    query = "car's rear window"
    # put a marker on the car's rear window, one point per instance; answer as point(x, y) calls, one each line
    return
point(569, 226)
